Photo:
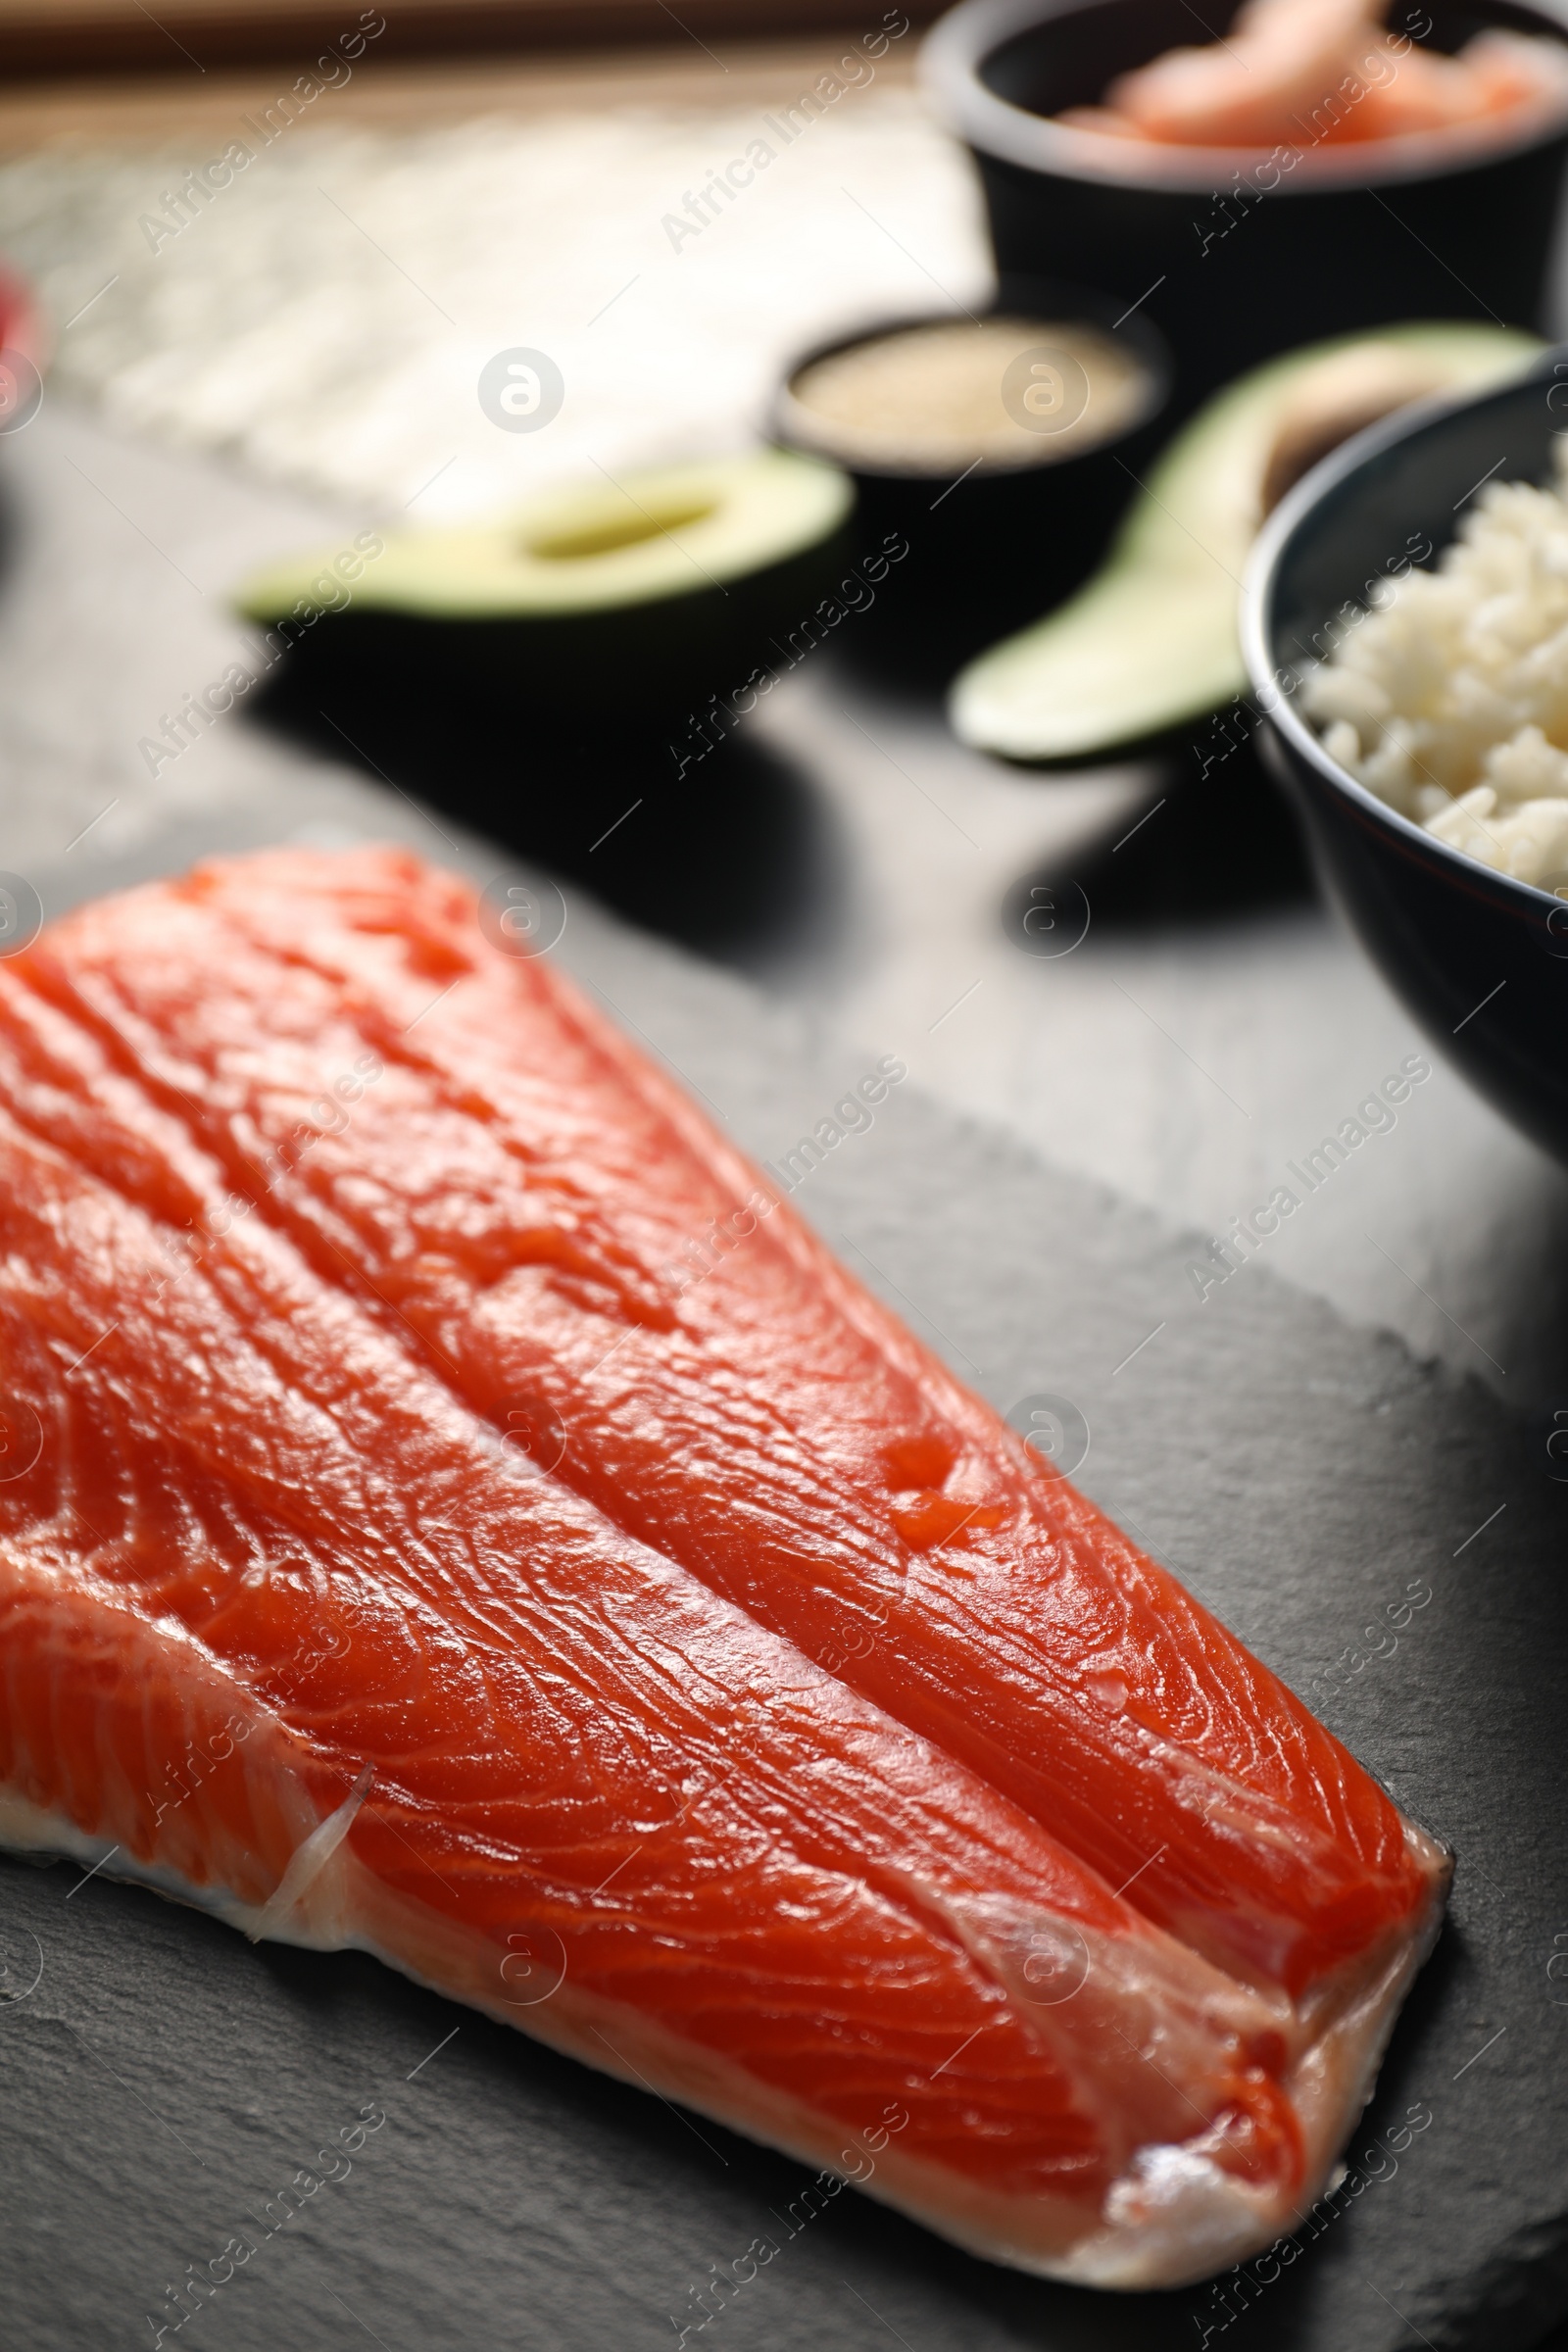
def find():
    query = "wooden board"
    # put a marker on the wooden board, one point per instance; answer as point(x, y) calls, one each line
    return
point(90, 109)
point(95, 38)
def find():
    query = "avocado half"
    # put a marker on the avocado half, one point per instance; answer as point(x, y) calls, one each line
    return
point(1149, 644)
point(642, 592)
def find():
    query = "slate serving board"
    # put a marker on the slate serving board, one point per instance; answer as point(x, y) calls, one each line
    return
point(161, 2081)
point(165, 2080)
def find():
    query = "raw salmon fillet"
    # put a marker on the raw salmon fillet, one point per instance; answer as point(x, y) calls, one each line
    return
point(454, 1507)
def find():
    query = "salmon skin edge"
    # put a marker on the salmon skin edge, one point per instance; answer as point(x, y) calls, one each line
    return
point(1163, 2256)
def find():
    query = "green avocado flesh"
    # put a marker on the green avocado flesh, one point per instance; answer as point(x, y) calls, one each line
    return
point(590, 547)
point(1151, 642)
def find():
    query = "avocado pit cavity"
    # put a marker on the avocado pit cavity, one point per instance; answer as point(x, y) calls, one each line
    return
point(607, 538)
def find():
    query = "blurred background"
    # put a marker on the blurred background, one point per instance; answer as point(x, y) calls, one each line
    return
point(259, 365)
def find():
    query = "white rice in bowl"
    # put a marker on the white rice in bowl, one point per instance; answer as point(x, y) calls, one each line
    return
point(1448, 696)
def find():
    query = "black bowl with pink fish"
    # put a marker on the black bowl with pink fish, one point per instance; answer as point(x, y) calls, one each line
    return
point(1234, 254)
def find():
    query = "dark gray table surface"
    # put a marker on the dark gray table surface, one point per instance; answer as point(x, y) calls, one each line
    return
point(1297, 1465)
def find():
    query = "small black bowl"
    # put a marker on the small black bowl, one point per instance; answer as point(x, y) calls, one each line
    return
point(1481, 959)
point(1233, 254)
point(991, 549)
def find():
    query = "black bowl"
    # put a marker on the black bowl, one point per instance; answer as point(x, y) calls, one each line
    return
point(1234, 256)
point(992, 547)
point(1481, 959)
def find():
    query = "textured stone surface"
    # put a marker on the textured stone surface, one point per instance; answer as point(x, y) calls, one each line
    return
point(1300, 1476)
point(163, 2081)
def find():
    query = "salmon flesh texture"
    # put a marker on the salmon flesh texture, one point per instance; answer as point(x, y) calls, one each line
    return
point(454, 1507)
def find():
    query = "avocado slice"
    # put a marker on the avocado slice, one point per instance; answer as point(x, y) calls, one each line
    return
point(1151, 643)
point(638, 593)
point(592, 547)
